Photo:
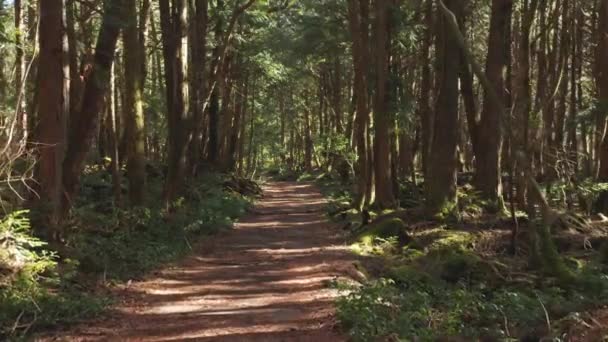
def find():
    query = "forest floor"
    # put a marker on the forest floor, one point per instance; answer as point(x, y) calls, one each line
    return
point(265, 280)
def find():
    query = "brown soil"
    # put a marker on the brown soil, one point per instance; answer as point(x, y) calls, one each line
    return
point(265, 280)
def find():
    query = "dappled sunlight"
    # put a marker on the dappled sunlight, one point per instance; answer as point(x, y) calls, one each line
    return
point(265, 280)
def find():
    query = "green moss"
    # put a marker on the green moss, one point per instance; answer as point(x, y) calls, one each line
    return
point(449, 211)
point(451, 240)
point(549, 258)
point(383, 230)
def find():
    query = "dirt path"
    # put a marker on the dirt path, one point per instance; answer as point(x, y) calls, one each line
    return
point(266, 280)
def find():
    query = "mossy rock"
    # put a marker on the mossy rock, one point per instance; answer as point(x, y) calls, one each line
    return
point(384, 230)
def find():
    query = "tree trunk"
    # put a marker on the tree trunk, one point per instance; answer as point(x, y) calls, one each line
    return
point(442, 163)
point(522, 89)
point(424, 109)
point(134, 50)
point(382, 118)
point(114, 141)
point(602, 81)
point(199, 63)
point(53, 87)
point(20, 30)
point(358, 12)
point(178, 116)
point(490, 137)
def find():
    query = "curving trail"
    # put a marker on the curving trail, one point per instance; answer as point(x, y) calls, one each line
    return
point(265, 280)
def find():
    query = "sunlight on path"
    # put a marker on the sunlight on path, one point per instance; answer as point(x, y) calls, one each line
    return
point(266, 280)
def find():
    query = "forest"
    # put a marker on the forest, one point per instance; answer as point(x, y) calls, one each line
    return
point(312, 170)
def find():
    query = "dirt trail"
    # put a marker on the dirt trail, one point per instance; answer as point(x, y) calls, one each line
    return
point(266, 280)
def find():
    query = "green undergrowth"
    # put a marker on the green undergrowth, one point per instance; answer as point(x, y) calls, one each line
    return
point(104, 245)
point(450, 282)
point(432, 280)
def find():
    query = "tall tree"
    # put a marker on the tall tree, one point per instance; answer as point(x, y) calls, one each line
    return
point(602, 82)
point(50, 132)
point(134, 51)
point(442, 163)
point(424, 109)
point(382, 117)
point(489, 134)
point(19, 6)
point(522, 105)
point(199, 58)
point(358, 16)
point(175, 41)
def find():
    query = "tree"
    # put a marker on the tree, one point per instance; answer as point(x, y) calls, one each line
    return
point(198, 93)
point(50, 132)
point(442, 163)
point(601, 62)
point(424, 110)
point(489, 133)
point(174, 26)
point(358, 12)
point(382, 117)
point(134, 48)
point(19, 6)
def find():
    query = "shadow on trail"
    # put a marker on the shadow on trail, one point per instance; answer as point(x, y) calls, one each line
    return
point(265, 280)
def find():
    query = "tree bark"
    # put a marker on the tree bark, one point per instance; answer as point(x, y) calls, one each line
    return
point(134, 51)
point(18, 6)
point(424, 109)
point(358, 12)
point(179, 114)
point(442, 166)
point(382, 118)
point(490, 136)
point(602, 81)
point(50, 133)
point(199, 63)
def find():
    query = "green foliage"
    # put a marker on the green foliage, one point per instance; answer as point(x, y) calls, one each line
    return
point(383, 230)
point(32, 293)
point(413, 306)
point(103, 242)
point(126, 243)
point(21, 252)
point(589, 192)
point(441, 286)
